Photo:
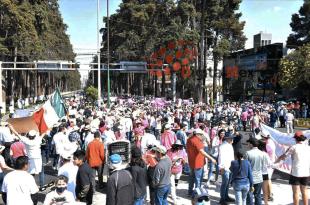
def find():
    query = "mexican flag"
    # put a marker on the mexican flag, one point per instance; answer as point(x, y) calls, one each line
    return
point(44, 118)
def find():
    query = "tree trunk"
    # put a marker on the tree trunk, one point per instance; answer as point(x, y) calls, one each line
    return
point(215, 77)
point(202, 47)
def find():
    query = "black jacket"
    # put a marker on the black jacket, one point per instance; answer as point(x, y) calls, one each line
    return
point(85, 183)
point(140, 180)
point(120, 189)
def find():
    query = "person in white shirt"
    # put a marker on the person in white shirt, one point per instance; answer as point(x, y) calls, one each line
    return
point(289, 118)
point(19, 187)
point(60, 195)
point(300, 173)
point(69, 170)
point(58, 141)
point(226, 156)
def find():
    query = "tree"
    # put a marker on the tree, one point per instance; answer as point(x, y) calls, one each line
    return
point(295, 68)
point(91, 93)
point(300, 26)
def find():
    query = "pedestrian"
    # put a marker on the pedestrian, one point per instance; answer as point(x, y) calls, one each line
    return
point(3, 165)
point(244, 119)
point(19, 186)
point(178, 157)
point(17, 149)
point(289, 120)
point(95, 156)
point(120, 187)
point(300, 173)
point(85, 179)
point(226, 156)
point(168, 137)
point(60, 195)
point(138, 171)
point(242, 178)
point(258, 163)
point(196, 160)
point(58, 141)
point(161, 177)
point(69, 170)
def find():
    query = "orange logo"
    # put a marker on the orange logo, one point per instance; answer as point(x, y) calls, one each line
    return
point(232, 72)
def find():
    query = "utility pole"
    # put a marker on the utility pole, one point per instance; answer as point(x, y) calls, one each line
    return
point(108, 53)
point(98, 53)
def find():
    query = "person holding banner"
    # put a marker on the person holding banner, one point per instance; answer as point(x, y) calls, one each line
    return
point(300, 153)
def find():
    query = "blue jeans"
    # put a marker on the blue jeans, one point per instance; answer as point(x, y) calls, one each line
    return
point(257, 195)
point(161, 195)
point(211, 165)
point(241, 191)
point(195, 177)
point(225, 185)
point(139, 201)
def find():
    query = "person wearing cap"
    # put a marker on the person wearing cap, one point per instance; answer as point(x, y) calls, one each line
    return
point(259, 162)
point(178, 157)
point(85, 179)
point(196, 160)
point(120, 187)
point(95, 156)
point(138, 171)
point(168, 137)
point(69, 170)
point(161, 177)
point(300, 172)
point(226, 156)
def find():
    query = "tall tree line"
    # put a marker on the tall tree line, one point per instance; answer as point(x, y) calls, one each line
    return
point(141, 27)
point(33, 30)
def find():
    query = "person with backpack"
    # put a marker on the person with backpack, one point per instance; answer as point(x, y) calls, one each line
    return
point(120, 189)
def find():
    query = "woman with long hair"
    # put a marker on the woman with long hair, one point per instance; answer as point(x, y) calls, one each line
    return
point(242, 178)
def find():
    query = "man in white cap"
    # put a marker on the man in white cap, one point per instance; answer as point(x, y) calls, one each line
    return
point(120, 189)
point(161, 178)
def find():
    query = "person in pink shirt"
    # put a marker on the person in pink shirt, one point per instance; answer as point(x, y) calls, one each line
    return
point(178, 157)
point(244, 119)
point(168, 137)
point(17, 149)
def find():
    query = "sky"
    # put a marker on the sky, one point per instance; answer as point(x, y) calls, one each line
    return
point(271, 16)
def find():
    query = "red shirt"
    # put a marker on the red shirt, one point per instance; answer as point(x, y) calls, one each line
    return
point(196, 160)
point(17, 149)
point(95, 153)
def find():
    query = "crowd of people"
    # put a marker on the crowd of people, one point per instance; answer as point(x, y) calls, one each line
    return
point(167, 140)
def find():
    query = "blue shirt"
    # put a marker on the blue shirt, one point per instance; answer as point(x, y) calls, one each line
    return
point(241, 174)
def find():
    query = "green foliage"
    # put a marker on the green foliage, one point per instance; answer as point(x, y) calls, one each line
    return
point(295, 68)
point(300, 26)
point(91, 93)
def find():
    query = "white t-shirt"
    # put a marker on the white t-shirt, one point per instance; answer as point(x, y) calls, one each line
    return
point(33, 147)
point(69, 170)
point(19, 185)
point(58, 140)
point(300, 154)
point(289, 117)
point(69, 199)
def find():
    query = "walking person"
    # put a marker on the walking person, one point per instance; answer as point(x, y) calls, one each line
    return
point(300, 173)
point(139, 176)
point(258, 163)
point(95, 156)
point(85, 179)
point(161, 177)
point(226, 156)
point(120, 187)
point(289, 120)
point(242, 178)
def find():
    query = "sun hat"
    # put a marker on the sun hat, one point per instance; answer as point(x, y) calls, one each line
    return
point(160, 148)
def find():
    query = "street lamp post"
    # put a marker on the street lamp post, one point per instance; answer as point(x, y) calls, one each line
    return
point(98, 53)
point(108, 53)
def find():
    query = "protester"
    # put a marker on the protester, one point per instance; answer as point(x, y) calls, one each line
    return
point(161, 177)
point(289, 120)
point(60, 195)
point(300, 154)
point(120, 189)
point(242, 179)
point(226, 156)
point(95, 156)
point(85, 179)
point(3, 165)
point(168, 137)
point(19, 186)
point(138, 171)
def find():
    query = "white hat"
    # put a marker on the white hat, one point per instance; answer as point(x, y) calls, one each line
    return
point(167, 126)
point(32, 133)
point(160, 149)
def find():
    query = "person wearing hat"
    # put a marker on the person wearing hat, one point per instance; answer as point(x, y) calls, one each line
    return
point(259, 162)
point(161, 178)
point(196, 160)
point(85, 179)
point(69, 170)
point(138, 171)
point(120, 187)
point(226, 156)
point(178, 157)
point(300, 172)
point(168, 137)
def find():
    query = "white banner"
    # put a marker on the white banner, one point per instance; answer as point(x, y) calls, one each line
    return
point(282, 141)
